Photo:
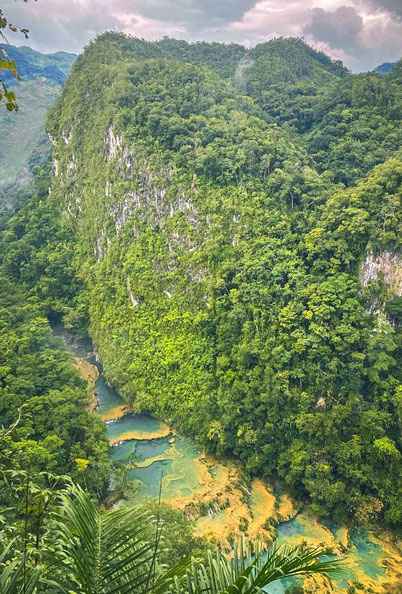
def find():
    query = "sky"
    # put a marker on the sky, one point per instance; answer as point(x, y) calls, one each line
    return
point(361, 33)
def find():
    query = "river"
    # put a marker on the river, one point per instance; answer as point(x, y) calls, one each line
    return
point(213, 495)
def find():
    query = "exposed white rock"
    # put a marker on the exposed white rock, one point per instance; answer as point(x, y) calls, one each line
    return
point(55, 167)
point(127, 158)
point(113, 143)
point(71, 163)
point(123, 211)
point(52, 140)
point(389, 264)
point(67, 137)
point(199, 276)
point(184, 204)
point(133, 300)
point(99, 246)
point(69, 211)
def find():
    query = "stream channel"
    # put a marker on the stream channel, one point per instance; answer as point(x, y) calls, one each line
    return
point(218, 503)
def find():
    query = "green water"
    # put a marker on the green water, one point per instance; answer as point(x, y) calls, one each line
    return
point(181, 477)
point(286, 529)
point(281, 586)
point(124, 451)
point(369, 554)
point(180, 474)
point(107, 398)
point(365, 554)
point(132, 422)
point(151, 477)
point(142, 450)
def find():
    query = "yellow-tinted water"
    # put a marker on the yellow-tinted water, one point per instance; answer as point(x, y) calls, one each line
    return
point(212, 494)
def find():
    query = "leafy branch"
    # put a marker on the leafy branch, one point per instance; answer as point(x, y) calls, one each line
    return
point(6, 63)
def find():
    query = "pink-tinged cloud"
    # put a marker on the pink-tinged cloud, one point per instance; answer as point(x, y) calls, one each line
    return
point(363, 33)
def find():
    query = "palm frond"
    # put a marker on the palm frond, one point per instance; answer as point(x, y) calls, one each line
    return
point(163, 582)
point(103, 552)
point(112, 553)
point(13, 580)
point(249, 573)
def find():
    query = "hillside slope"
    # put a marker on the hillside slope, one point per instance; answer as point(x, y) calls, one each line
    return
point(385, 67)
point(222, 274)
point(285, 77)
point(32, 64)
point(356, 125)
point(23, 139)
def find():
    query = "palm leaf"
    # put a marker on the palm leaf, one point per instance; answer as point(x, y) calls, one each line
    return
point(164, 581)
point(12, 576)
point(246, 573)
point(111, 553)
point(104, 553)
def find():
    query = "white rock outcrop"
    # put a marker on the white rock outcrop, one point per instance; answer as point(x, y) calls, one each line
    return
point(389, 264)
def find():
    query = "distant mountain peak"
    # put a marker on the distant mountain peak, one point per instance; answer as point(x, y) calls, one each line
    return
point(385, 67)
point(23, 140)
point(32, 64)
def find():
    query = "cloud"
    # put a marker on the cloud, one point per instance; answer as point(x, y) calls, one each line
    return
point(195, 15)
point(339, 29)
point(362, 40)
point(361, 32)
point(269, 18)
point(350, 30)
point(392, 6)
point(59, 25)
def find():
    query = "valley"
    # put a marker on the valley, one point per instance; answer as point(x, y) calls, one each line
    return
point(24, 143)
point(216, 229)
point(220, 502)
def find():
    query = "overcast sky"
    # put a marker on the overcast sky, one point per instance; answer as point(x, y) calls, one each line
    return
point(362, 33)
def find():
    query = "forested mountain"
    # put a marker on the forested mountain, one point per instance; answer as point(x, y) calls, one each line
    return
point(32, 64)
point(356, 125)
point(227, 223)
point(24, 143)
point(385, 67)
point(286, 77)
point(113, 47)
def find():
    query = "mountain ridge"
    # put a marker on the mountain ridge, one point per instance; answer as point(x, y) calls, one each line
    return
point(385, 67)
point(24, 141)
point(222, 269)
point(214, 244)
point(32, 64)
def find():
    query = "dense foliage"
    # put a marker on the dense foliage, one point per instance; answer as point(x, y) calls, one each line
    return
point(40, 389)
point(76, 547)
point(286, 77)
point(114, 47)
point(216, 241)
point(356, 126)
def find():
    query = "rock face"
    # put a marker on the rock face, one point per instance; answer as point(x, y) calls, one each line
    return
point(386, 264)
